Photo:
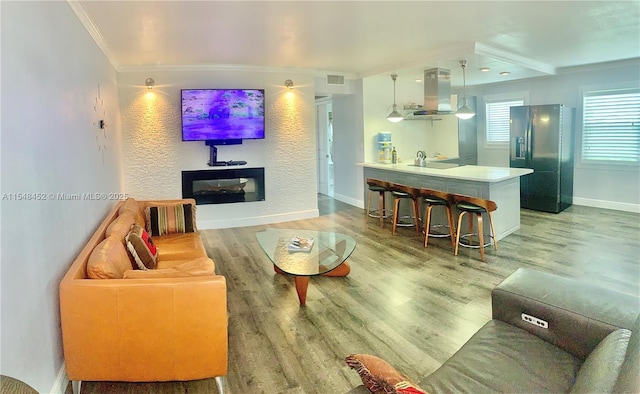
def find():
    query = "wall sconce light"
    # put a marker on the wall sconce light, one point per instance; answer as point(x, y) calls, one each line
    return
point(288, 83)
point(149, 82)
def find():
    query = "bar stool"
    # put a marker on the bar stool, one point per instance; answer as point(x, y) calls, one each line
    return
point(435, 198)
point(476, 206)
point(381, 187)
point(403, 192)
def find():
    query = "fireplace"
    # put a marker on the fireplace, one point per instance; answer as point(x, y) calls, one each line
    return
point(223, 186)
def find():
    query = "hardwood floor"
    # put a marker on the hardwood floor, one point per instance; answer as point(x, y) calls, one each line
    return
point(410, 305)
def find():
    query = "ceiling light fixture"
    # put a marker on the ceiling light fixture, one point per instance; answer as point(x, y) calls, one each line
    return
point(485, 69)
point(288, 83)
point(464, 112)
point(149, 83)
point(394, 116)
point(505, 73)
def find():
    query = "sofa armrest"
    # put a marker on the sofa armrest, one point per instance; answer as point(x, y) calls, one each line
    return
point(144, 329)
point(579, 314)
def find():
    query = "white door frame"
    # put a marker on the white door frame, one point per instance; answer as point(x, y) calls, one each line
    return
point(324, 151)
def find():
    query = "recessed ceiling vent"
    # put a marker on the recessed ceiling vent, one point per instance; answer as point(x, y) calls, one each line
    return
point(335, 79)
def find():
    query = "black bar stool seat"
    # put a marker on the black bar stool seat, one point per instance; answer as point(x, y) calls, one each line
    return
point(381, 187)
point(474, 206)
point(435, 198)
point(403, 192)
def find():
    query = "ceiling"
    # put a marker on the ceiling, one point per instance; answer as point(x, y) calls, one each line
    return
point(364, 38)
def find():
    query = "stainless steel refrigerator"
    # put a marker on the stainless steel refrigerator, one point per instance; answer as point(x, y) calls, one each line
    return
point(542, 138)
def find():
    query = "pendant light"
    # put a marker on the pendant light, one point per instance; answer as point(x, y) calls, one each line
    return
point(464, 112)
point(394, 116)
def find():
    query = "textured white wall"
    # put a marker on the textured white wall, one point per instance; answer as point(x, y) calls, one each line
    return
point(51, 69)
point(155, 155)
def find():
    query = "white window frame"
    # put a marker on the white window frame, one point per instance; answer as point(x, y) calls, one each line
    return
point(492, 99)
point(587, 122)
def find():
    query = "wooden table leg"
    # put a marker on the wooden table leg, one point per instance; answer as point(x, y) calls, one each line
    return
point(277, 270)
point(341, 270)
point(302, 283)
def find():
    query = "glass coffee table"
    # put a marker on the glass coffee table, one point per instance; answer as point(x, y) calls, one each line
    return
point(326, 257)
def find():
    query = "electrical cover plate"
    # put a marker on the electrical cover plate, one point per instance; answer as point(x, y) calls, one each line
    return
point(535, 321)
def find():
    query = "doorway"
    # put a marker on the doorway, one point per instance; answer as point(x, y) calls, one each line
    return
point(324, 127)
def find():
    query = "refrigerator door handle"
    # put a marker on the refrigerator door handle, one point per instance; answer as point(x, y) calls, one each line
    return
point(528, 147)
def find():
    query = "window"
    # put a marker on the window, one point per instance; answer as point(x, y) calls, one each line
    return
point(497, 120)
point(611, 126)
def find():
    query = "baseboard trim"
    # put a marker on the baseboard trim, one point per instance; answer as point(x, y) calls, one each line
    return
point(618, 206)
point(349, 200)
point(256, 221)
point(62, 381)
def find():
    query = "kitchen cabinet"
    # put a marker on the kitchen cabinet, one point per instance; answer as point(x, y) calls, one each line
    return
point(501, 185)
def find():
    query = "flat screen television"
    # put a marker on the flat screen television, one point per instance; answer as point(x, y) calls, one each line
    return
point(222, 116)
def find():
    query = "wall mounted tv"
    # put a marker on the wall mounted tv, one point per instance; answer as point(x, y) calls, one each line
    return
point(222, 116)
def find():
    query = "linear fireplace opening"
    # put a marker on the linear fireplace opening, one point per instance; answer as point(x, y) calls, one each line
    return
point(223, 186)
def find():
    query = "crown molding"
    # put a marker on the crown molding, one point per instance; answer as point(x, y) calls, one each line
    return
point(600, 66)
point(498, 54)
point(231, 68)
point(92, 30)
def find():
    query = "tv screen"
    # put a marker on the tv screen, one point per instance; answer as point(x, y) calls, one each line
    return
point(222, 114)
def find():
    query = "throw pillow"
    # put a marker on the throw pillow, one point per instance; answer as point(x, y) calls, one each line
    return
point(142, 248)
point(170, 219)
point(121, 226)
point(380, 377)
point(131, 205)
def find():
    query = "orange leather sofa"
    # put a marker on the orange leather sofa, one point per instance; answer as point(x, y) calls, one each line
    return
point(165, 324)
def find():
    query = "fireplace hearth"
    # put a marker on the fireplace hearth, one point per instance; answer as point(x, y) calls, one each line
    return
point(223, 186)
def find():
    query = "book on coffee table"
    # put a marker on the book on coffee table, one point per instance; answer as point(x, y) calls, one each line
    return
point(299, 244)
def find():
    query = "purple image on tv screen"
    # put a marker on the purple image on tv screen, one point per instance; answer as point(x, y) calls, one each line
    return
point(222, 114)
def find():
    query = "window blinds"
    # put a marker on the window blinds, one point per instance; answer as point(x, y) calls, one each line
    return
point(497, 120)
point(611, 126)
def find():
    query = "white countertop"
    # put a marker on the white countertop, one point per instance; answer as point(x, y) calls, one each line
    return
point(467, 173)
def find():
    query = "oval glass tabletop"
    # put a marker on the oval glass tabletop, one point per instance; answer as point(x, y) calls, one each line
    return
point(327, 252)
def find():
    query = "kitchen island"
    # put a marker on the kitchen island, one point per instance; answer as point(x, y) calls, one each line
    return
point(499, 184)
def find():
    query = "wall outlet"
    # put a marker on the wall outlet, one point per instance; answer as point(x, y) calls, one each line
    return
point(534, 320)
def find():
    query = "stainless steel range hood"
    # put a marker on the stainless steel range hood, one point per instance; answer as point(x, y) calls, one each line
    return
point(437, 93)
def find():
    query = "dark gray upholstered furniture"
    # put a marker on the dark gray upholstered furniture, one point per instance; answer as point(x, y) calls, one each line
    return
point(591, 345)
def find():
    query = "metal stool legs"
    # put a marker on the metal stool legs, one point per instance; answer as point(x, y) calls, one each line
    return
point(475, 206)
point(427, 224)
point(405, 192)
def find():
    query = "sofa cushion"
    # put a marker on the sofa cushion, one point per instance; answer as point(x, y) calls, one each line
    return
point(179, 247)
point(380, 377)
point(600, 370)
point(501, 357)
point(131, 205)
point(201, 266)
point(108, 260)
point(142, 248)
point(121, 226)
point(629, 377)
point(170, 219)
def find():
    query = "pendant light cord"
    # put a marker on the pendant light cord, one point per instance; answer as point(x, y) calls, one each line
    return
point(394, 76)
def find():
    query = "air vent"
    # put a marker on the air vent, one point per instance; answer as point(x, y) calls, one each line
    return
point(335, 79)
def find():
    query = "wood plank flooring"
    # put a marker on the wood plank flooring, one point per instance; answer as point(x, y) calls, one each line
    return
point(412, 306)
